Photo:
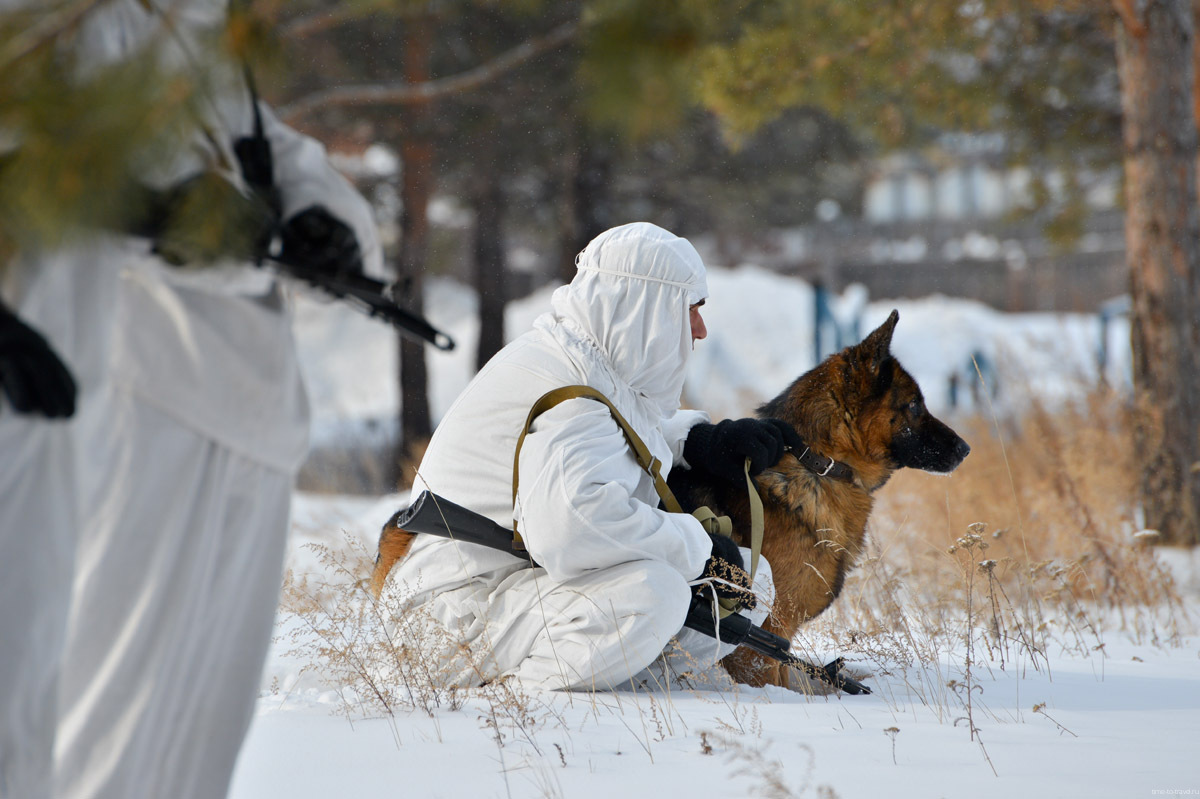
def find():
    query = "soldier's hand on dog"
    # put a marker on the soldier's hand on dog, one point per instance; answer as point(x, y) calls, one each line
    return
point(722, 449)
point(728, 572)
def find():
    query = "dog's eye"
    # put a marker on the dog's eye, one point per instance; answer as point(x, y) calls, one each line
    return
point(914, 407)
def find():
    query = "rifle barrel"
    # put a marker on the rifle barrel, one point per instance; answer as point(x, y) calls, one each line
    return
point(374, 296)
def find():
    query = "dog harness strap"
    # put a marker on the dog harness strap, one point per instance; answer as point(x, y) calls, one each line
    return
point(757, 522)
point(730, 605)
point(825, 466)
point(712, 523)
point(651, 464)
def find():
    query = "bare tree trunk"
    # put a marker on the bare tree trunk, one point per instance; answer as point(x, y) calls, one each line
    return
point(417, 160)
point(1162, 227)
point(491, 268)
point(1195, 63)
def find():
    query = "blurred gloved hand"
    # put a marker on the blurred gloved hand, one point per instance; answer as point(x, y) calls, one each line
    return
point(205, 219)
point(32, 376)
point(727, 566)
point(722, 449)
point(316, 239)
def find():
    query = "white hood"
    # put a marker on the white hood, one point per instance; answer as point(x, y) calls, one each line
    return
point(630, 300)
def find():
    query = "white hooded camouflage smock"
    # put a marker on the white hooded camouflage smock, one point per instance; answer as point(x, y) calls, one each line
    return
point(612, 587)
point(142, 541)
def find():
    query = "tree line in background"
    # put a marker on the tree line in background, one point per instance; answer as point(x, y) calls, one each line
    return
point(560, 119)
point(593, 125)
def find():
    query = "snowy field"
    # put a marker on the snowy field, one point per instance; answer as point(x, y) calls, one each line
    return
point(1115, 715)
point(1122, 721)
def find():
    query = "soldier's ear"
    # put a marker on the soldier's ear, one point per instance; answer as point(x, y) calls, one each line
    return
point(877, 347)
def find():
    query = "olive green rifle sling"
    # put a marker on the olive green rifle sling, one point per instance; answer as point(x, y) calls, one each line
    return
point(713, 524)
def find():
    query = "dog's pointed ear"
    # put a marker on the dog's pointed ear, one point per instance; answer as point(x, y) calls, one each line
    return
point(877, 346)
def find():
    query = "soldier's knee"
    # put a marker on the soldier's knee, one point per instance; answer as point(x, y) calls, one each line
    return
point(653, 595)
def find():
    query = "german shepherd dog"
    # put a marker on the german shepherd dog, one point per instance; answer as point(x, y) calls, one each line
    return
point(864, 417)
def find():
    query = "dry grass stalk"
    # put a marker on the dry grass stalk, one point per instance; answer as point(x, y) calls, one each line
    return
point(1057, 506)
point(384, 658)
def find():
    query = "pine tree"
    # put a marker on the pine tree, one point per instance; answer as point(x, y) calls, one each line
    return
point(81, 142)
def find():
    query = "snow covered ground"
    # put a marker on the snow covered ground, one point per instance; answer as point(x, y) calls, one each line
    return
point(1121, 721)
point(1124, 728)
point(1118, 717)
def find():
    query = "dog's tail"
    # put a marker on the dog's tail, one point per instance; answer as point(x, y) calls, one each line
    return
point(394, 544)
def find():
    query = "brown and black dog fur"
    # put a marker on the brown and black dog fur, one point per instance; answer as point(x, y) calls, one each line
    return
point(394, 544)
point(859, 407)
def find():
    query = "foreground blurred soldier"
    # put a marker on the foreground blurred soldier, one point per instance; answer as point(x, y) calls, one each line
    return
point(142, 541)
point(616, 573)
point(37, 536)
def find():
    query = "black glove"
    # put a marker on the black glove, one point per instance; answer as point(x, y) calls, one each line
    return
point(33, 377)
point(316, 239)
point(722, 449)
point(206, 218)
point(726, 563)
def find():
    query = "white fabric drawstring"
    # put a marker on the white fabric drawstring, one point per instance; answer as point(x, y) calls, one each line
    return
point(633, 276)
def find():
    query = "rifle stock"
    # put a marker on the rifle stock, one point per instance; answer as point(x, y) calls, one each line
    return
point(434, 515)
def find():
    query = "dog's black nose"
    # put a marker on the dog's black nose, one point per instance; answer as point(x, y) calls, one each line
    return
point(962, 450)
